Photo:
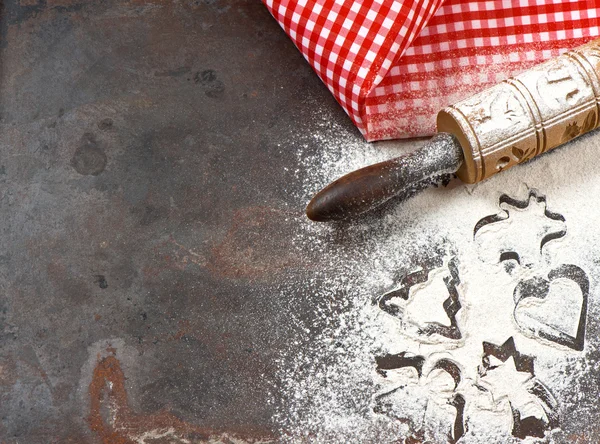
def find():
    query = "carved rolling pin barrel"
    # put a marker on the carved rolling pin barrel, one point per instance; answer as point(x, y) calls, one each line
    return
point(489, 132)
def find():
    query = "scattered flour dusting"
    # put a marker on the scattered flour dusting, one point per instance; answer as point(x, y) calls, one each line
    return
point(466, 313)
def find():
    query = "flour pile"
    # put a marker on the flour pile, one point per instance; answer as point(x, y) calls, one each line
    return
point(466, 313)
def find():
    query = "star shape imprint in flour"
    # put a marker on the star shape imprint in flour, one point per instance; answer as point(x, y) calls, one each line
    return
point(509, 376)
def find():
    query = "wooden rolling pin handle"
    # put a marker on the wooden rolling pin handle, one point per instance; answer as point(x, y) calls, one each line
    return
point(371, 186)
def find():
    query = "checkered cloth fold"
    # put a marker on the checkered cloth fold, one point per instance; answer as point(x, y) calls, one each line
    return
point(392, 65)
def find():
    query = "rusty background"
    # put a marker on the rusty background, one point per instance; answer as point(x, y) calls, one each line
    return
point(149, 183)
point(146, 217)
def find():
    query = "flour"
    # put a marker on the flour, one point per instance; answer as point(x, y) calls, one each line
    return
point(507, 371)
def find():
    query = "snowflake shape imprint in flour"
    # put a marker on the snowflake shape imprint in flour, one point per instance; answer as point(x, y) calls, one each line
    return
point(469, 337)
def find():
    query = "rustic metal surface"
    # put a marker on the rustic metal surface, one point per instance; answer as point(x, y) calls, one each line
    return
point(146, 216)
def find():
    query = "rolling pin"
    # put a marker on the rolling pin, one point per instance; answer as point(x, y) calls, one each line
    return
point(496, 129)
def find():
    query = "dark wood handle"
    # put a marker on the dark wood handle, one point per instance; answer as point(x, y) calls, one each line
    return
point(369, 187)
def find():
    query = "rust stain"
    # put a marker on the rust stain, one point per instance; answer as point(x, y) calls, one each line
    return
point(8, 371)
point(173, 256)
point(185, 255)
point(120, 425)
point(258, 243)
point(577, 438)
point(217, 342)
point(184, 329)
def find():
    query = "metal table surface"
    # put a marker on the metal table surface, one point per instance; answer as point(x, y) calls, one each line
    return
point(150, 194)
point(146, 216)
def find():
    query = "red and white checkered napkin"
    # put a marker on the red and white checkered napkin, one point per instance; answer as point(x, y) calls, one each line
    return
point(393, 65)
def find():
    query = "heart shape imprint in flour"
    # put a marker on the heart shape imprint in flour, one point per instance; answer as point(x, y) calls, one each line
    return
point(554, 309)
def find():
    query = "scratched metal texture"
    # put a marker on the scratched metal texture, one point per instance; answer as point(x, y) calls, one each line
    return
point(147, 211)
point(145, 217)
